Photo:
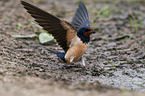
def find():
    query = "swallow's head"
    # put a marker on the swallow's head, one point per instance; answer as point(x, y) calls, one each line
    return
point(86, 31)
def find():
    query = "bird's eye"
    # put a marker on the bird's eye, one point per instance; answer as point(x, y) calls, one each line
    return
point(87, 30)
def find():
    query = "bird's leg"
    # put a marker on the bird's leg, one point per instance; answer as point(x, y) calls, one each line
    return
point(84, 64)
point(83, 61)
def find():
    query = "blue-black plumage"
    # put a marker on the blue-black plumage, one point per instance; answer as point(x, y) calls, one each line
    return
point(73, 38)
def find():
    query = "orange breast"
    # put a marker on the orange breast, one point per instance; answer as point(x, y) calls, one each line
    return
point(76, 50)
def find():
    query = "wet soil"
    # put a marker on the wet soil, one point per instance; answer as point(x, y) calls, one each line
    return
point(115, 59)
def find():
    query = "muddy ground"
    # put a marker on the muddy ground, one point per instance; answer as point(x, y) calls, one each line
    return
point(115, 58)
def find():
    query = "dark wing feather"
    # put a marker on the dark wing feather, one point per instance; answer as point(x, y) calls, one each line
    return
point(81, 18)
point(50, 23)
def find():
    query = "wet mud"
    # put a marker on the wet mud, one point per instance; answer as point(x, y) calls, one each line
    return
point(115, 59)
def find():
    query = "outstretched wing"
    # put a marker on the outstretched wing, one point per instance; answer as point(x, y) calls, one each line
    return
point(81, 18)
point(62, 31)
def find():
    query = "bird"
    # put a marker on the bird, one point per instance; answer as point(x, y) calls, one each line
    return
point(73, 37)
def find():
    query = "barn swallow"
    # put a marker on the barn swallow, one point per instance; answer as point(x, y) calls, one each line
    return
point(73, 37)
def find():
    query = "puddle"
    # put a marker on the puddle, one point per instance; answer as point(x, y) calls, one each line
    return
point(133, 82)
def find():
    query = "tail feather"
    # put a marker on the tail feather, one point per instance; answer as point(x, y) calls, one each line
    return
point(60, 55)
point(53, 51)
